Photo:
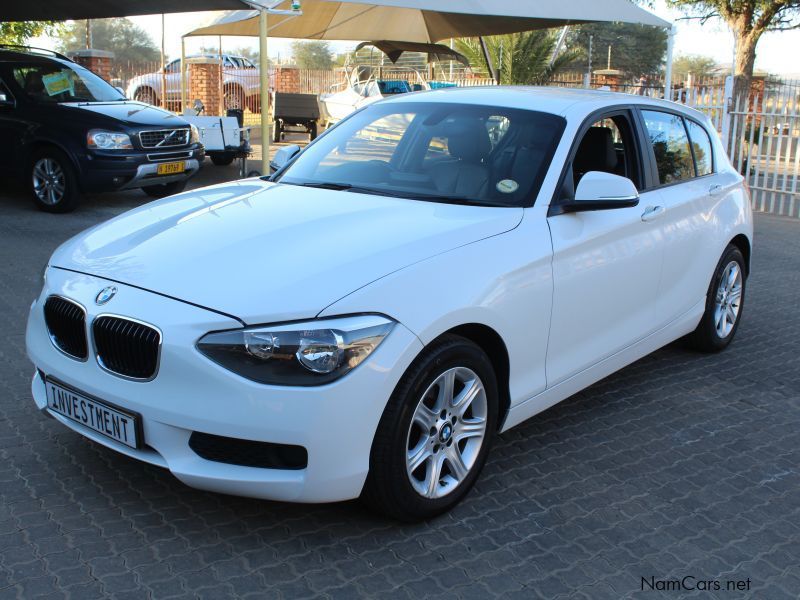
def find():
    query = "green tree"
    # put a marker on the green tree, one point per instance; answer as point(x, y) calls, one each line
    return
point(748, 20)
point(312, 54)
point(700, 67)
point(519, 58)
point(123, 37)
point(636, 50)
point(20, 32)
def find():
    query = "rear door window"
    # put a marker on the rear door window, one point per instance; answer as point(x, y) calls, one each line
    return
point(701, 146)
point(670, 146)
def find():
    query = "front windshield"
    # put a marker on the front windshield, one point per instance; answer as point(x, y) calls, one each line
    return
point(436, 151)
point(58, 82)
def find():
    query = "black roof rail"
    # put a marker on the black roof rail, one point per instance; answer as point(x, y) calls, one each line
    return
point(34, 50)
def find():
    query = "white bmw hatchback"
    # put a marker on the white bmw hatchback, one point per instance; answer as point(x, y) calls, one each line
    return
point(435, 269)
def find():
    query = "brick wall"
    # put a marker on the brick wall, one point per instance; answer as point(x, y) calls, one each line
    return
point(287, 79)
point(97, 61)
point(204, 86)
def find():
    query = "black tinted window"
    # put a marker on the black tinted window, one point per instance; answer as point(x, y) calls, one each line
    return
point(670, 146)
point(701, 145)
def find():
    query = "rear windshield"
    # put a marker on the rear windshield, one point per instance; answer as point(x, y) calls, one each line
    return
point(435, 151)
point(58, 82)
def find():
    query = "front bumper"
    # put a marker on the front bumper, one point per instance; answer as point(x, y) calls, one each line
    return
point(335, 423)
point(104, 171)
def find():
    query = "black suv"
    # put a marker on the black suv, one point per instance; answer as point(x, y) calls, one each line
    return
point(65, 130)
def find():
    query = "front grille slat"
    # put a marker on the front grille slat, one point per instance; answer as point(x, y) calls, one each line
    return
point(164, 138)
point(126, 347)
point(66, 324)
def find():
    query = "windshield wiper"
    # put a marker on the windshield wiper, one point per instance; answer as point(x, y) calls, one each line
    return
point(324, 185)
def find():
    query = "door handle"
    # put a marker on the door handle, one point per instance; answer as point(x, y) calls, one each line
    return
point(652, 212)
point(715, 190)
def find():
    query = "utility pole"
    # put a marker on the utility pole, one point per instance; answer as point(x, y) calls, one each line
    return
point(587, 82)
point(88, 33)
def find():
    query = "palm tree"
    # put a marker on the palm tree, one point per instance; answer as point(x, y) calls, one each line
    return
point(519, 58)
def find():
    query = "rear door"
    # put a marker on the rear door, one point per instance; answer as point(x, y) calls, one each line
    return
point(606, 263)
point(11, 129)
point(686, 179)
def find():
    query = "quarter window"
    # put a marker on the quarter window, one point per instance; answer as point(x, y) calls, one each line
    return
point(670, 146)
point(701, 146)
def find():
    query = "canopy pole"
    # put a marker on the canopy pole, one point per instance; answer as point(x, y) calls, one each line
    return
point(489, 65)
point(263, 65)
point(163, 66)
point(183, 73)
point(668, 69)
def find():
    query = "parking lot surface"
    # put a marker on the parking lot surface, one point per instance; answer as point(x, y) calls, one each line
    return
point(682, 467)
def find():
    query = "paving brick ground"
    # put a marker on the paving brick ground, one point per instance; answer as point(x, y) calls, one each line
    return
point(682, 464)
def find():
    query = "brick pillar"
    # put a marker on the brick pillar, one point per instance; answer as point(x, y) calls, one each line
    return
point(204, 84)
point(608, 77)
point(287, 79)
point(97, 61)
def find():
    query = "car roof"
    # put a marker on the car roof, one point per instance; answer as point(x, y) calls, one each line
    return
point(575, 102)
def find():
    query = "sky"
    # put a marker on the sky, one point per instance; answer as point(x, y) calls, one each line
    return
point(776, 51)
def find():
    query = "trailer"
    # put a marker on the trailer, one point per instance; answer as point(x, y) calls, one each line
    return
point(300, 111)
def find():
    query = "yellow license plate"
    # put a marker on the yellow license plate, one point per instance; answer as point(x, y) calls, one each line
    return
point(171, 168)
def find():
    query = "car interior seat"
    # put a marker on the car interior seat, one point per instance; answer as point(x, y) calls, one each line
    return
point(467, 175)
point(595, 153)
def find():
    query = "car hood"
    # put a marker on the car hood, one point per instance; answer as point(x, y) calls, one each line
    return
point(266, 252)
point(133, 114)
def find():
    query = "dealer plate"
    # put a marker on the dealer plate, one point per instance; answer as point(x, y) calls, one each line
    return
point(119, 425)
point(171, 168)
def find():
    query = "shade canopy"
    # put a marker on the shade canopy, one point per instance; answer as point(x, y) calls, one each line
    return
point(417, 21)
point(436, 52)
point(61, 10)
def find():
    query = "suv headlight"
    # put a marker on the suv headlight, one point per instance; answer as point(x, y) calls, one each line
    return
point(310, 353)
point(97, 139)
point(194, 136)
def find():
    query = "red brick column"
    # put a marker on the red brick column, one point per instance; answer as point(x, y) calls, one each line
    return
point(609, 77)
point(204, 84)
point(287, 79)
point(97, 61)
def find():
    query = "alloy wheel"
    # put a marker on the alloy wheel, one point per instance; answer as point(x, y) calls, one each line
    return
point(49, 181)
point(446, 432)
point(728, 299)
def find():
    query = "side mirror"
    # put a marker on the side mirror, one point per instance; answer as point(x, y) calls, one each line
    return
point(198, 106)
point(602, 191)
point(282, 157)
point(6, 100)
point(120, 90)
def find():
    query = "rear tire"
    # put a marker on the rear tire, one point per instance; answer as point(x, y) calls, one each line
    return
point(165, 189)
point(53, 181)
point(431, 443)
point(233, 98)
point(724, 304)
point(146, 95)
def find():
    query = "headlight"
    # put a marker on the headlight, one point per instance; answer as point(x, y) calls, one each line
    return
point(194, 137)
point(310, 353)
point(97, 139)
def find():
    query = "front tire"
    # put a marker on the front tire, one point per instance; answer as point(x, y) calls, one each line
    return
point(435, 432)
point(53, 182)
point(146, 95)
point(165, 189)
point(724, 304)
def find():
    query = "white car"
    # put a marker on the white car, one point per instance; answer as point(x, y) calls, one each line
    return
point(241, 84)
point(435, 269)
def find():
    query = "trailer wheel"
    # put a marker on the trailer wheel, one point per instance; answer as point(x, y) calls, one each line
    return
point(312, 131)
point(278, 136)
